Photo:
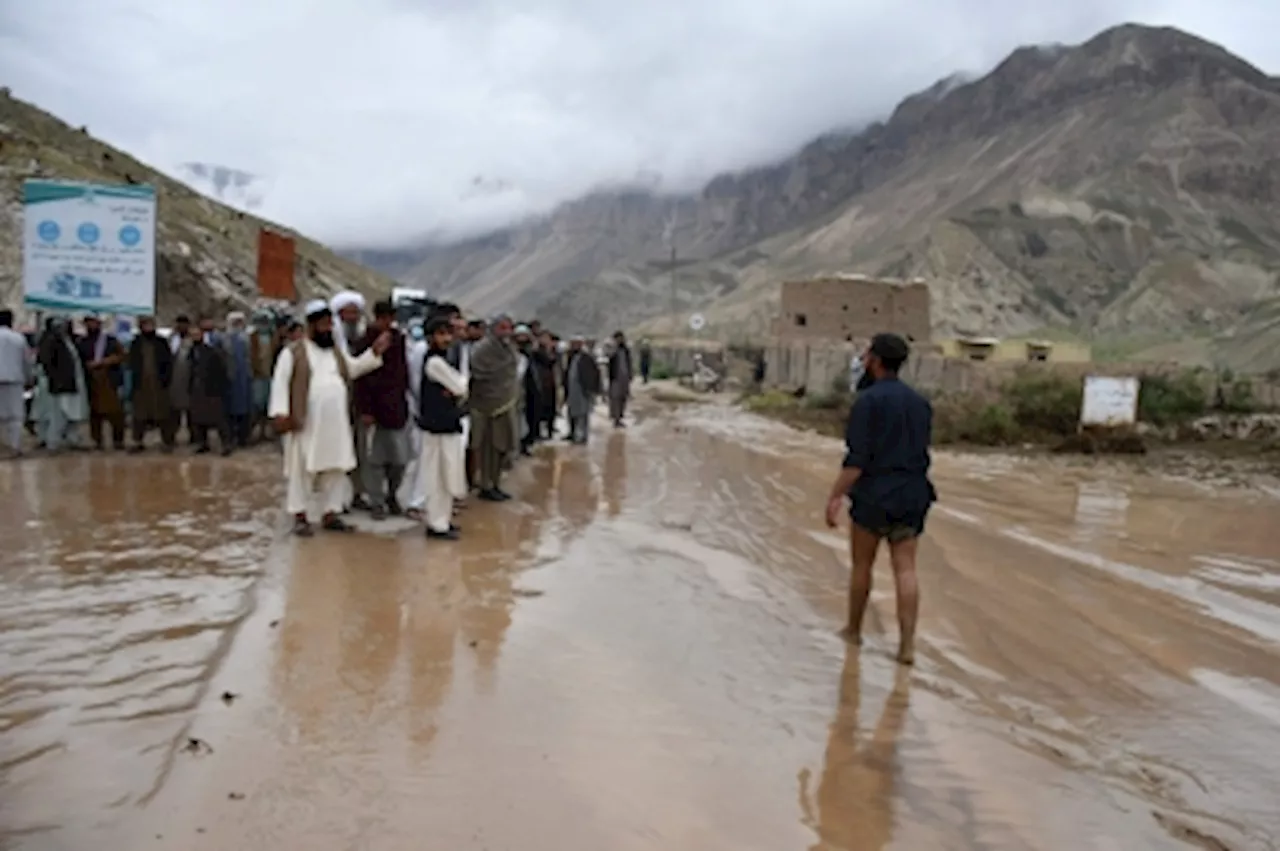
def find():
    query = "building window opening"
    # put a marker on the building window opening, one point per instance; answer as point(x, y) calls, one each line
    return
point(801, 320)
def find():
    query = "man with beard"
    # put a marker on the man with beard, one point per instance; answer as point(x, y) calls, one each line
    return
point(209, 383)
point(494, 394)
point(439, 415)
point(348, 306)
point(310, 405)
point(151, 367)
point(529, 407)
point(61, 402)
point(180, 382)
point(235, 348)
point(885, 477)
point(382, 403)
point(265, 336)
point(546, 368)
point(102, 356)
point(581, 387)
point(619, 379)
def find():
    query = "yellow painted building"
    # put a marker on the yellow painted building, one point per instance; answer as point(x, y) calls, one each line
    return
point(1005, 351)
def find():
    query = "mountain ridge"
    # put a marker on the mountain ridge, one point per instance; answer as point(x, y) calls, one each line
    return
point(1136, 167)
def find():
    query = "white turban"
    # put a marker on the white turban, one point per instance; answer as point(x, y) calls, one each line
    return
point(316, 307)
point(346, 298)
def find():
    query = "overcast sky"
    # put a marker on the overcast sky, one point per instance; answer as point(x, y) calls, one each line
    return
point(372, 118)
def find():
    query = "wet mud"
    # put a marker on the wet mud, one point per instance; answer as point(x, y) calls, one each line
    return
point(638, 653)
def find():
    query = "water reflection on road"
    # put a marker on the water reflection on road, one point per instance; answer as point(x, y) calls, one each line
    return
point(638, 653)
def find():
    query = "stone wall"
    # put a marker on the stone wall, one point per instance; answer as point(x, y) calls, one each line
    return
point(852, 308)
point(823, 368)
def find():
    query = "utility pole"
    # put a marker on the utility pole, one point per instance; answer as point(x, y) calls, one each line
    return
point(675, 321)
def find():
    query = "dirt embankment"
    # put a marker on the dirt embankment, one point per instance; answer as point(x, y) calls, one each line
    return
point(1041, 413)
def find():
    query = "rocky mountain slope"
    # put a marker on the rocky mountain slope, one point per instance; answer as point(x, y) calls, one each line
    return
point(1126, 186)
point(206, 252)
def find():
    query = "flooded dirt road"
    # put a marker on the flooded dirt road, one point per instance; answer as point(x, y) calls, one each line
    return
point(638, 653)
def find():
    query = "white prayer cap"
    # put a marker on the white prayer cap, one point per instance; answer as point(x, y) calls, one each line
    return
point(523, 329)
point(235, 316)
point(316, 308)
point(346, 298)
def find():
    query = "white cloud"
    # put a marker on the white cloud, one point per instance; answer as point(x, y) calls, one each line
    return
point(373, 118)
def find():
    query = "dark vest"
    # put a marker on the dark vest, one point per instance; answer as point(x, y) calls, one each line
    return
point(438, 412)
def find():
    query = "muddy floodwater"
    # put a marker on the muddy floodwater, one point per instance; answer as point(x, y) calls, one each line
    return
point(639, 652)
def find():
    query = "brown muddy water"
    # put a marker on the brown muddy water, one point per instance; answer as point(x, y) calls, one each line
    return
point(638, 653)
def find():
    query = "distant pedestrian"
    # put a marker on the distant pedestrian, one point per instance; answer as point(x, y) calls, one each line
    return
point(15, 377)
point(209, 385)
point(62, 398)
point(239, 399)
point(581, 387)
point(150, 363)
point(103, 358)
point(620, 375)
point(646, 360)
point(885, 476)
point(494, 395)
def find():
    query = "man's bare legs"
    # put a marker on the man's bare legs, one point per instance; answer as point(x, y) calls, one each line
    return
point(903, 556)
point(862, 546)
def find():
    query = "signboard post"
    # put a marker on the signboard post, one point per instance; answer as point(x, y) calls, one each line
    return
point(276, 263)
point(88, 247)
point(1109, 402)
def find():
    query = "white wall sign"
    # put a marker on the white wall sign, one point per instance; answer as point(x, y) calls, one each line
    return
point(89, 247)
point(1109, 401)
point(697, 322)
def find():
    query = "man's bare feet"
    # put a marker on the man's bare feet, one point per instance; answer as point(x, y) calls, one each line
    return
point(851, 635)
point(906, 654)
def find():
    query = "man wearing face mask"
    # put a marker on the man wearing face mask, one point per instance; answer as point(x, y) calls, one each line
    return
point(310, 405)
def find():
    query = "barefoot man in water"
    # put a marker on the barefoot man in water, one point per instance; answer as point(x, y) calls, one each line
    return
point(886, 478)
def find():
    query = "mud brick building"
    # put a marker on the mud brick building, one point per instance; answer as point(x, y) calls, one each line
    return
point(853, 308)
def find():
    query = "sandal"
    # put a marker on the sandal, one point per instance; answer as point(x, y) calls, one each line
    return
point(337, 524)
point(302, 527)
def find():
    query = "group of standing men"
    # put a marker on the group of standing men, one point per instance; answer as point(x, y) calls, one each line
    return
point(199, 377)
point(409, 421)
point(373, 417)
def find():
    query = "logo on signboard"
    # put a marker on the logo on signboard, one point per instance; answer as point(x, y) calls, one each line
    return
point(48, 231)
point(130, 235)
point(88, 233)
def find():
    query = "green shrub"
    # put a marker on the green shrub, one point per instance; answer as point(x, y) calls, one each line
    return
point(770, 400)
point(1237, 398)
point(1169, 399)
point(828, 401)
point(965, 419)
point(660, 372)
point(1044, 403)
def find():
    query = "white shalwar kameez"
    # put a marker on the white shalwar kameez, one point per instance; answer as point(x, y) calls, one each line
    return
point(320, 455)
point(442, 467)
point(412, 493)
